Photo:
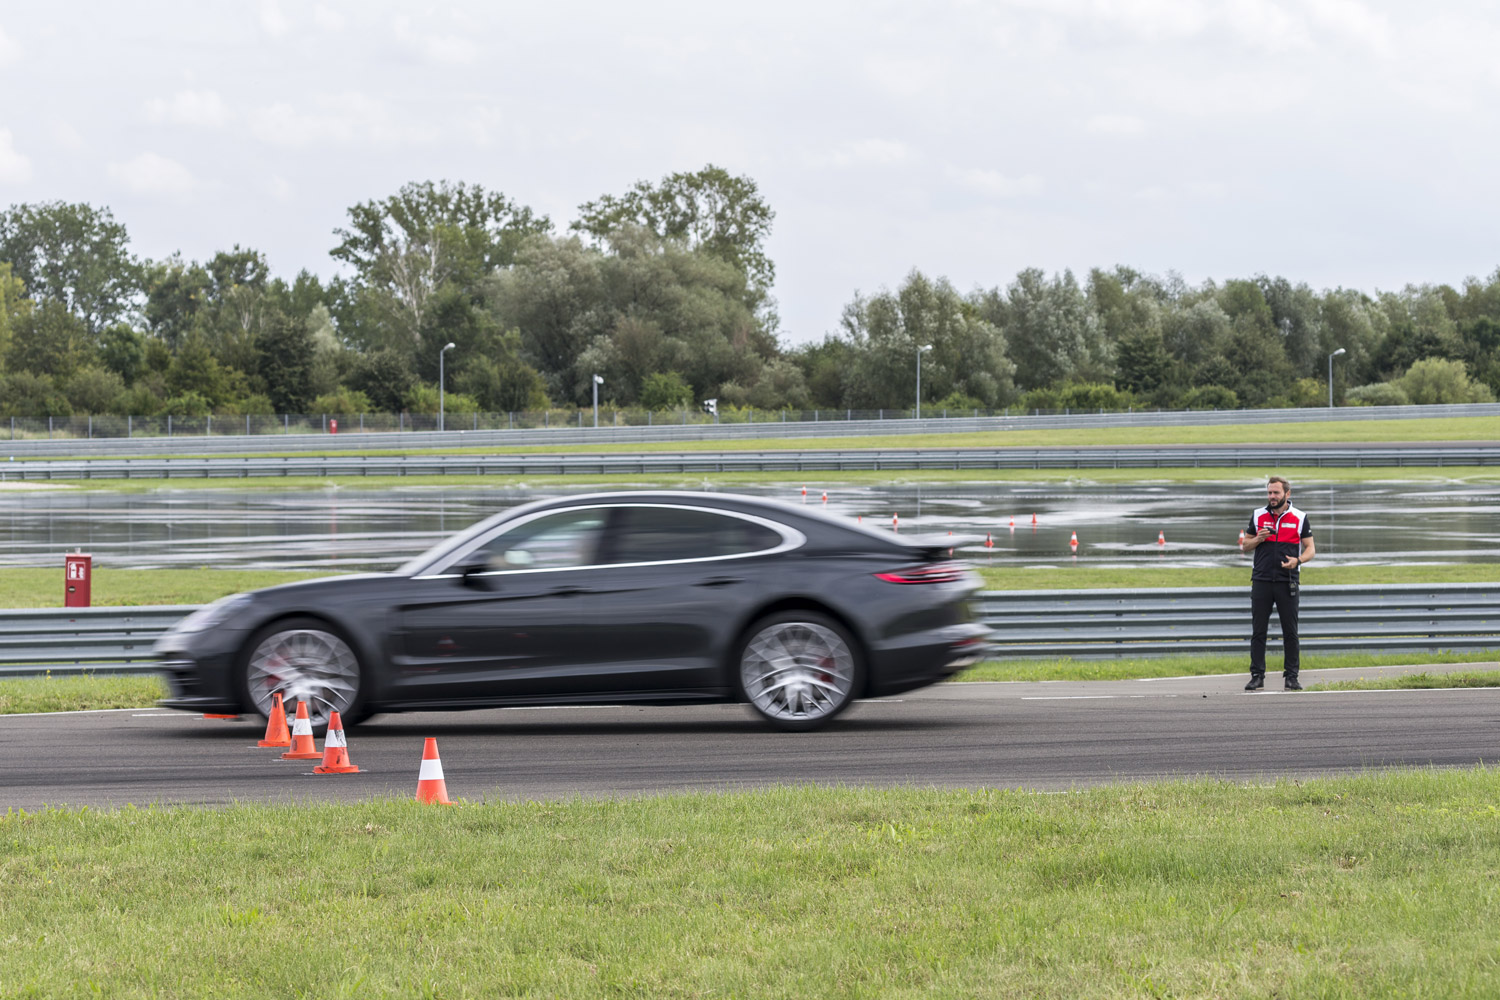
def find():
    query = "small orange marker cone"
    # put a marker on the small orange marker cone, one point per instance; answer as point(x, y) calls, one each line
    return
point(804, 494)
point(276, 731)
point(1242, 541)
point(989, 542)
point(1161, 538)
point(895, 522)
point(335, 749)
point(1073, 544)
point(1033, 520)
point(1012, 524)
point(217, 715)
point(825, 496)
point(431, 788)
point(303, 747)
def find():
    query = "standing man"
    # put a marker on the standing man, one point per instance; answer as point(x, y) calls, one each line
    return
point(1276, 531)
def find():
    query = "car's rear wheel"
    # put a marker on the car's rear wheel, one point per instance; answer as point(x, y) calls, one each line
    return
point(305, 659)
point(798, 669)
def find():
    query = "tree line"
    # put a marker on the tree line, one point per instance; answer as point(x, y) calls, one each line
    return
point(665, 290)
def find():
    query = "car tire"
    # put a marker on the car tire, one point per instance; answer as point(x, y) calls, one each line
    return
point(798, 669)
point(306, 659)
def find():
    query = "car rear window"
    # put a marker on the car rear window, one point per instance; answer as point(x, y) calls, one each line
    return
point(660, 534)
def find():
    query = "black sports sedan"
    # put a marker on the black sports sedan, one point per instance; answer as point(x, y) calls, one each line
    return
point(646, 597)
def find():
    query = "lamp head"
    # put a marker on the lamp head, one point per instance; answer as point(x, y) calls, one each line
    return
point(1337, 352)
point(449, 347)
point(598, 379)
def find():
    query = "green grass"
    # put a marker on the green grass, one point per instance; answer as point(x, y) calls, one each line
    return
point(75, 693)
point(32, 587)
point(1456, 679)
point(1081, 577)
point(1428, 429)
point(1379, 885)
point(815, 481)
point(78, 693)
point(1067, 669)
point(29, 587)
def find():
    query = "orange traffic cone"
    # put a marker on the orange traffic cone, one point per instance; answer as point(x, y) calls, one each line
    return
point(1161, 538)
point(1012, 524)
point(217, 715)
point(431, 788)
point(804, 494)
point(1033, 520)
point(825, 496)
point(1242, 541)
point(303, 747)
point(1073, 544)
point(335, 749)
point(989, 542)
point(895, 522)
point(276, 731)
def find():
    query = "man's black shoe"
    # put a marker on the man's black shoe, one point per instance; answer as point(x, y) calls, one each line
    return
point(1292, 685)
point(1257, 681)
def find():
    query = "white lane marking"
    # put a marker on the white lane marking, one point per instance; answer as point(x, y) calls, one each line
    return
point(154, 715)
point(1091, 697)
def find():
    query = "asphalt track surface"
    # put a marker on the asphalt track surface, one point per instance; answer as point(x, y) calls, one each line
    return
point(1052, 735)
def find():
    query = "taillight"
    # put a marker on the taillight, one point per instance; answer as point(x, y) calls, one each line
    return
point(943, 572)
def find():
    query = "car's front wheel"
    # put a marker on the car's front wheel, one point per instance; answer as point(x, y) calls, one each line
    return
point(306, 660)
point(798, 669)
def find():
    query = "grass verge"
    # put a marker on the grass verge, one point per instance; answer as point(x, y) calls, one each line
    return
point(1303, 477)
point(35, 587)
point(1315, 432)
point(79, 693)
point(1456, 679)
point(1067, 669)
point(1379, 885)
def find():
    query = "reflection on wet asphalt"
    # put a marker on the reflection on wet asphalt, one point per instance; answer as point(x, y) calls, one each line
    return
point(1117, 525)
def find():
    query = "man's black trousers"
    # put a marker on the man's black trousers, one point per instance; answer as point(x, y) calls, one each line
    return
point(1283, 594)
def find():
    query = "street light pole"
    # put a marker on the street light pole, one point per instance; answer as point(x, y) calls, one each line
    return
point(442, 387)
point(598, 381)
point(1330, 375)
point(925, 347)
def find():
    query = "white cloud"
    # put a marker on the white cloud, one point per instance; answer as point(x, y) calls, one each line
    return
point(1355, 21)
point(1115, 125)
point(994, 184)
point(67, 136)
point(334, 118)
point(279, 188)
point(9, 50)
point(189, 107)
point(272, 21)
point(446, 49)
point(14, 168)
point(154, 176)
point(864, 152)
point(327, 18)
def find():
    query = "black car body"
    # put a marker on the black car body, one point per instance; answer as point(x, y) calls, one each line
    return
point(651, 597)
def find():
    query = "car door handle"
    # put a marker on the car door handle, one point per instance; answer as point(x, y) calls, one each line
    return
point(719, 581)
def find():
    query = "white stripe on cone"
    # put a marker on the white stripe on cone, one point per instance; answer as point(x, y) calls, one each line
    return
point(302, 727)
point(432, 770)
point(335, 738)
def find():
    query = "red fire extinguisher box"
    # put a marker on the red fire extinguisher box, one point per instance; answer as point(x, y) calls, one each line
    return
point(78, 572)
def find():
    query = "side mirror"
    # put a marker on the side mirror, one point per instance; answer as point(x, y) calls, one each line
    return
point(474, 574)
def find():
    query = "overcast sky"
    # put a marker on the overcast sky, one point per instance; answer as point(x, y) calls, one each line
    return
point(1337, 142)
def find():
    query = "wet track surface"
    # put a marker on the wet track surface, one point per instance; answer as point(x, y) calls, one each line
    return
point(1117, 525)
point(1045, 736)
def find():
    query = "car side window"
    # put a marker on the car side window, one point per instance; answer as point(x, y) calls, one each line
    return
point(659, 534)
point(553, 541)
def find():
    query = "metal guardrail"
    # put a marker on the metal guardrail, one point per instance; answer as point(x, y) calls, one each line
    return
point(208, 436)
point(646, 463)
point(1400, 618)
